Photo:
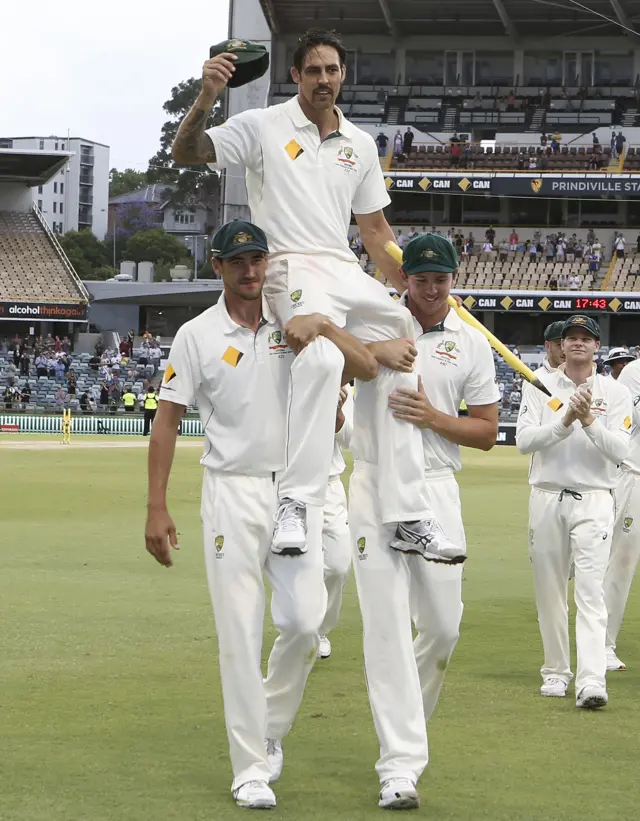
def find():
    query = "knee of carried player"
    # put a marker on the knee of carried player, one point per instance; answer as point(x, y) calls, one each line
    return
point(321, 355)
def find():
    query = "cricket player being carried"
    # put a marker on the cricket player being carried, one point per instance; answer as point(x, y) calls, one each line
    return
point(398, 591)
point(307, 169)
point(625, 548)
point(577, 439)
point(233, 361)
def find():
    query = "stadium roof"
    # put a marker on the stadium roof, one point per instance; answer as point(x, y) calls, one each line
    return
point(31, 167)
point(403, 18)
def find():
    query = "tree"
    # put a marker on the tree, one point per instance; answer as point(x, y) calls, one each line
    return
point(122, 182)
point(103, 273)
point(85, 251)
point(195, 184)
point(154, 246)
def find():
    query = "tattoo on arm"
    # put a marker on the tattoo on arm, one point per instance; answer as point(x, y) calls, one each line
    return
point(192, 145)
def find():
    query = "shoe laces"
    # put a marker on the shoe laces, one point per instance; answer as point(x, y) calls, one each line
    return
point(555, 681)
point(398, 783)
point(289, 515)
point(255, 785)
point(273, 746)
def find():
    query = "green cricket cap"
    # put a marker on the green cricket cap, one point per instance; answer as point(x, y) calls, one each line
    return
point(585, 322)
point(554, 331)
point(252, 62)
point(429, 252)
point(236, 237)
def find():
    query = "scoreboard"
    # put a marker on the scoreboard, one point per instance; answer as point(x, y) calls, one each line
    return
point(550, 302)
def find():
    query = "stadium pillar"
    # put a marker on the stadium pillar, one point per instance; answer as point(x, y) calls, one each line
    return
point(246, 21)
point(518, 66)
point(604, 321)
point(401, 66)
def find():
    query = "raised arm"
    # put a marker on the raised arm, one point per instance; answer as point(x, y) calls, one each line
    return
point(192, 146)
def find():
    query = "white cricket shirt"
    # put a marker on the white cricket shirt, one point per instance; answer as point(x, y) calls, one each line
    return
point(456, 364)
point(302, 191)
point(239, 381)
point(630, 378)
point(574, 458)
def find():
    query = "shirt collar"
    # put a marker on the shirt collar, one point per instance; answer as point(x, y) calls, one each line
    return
point(561, 371)
point(451, 322)
point(228, 324)
point(300, 119)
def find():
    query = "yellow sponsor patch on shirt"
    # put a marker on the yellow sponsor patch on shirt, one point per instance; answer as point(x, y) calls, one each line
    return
point(232, 356)
point(555, 404)
point(293, 149)
point(169, 374)
point(627, 422)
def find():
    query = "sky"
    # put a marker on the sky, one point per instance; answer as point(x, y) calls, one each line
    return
point(101, 70)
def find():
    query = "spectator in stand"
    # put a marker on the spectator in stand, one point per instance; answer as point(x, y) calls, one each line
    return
point(155, 355)
point(501, 387)
point(620, 141)
point(397, 144)
point(104, 394)
point(520, 163)
point(560, 251)
point(487, 251)
point(533, 252)
point(59, 369)
point(477, 100)
point(612, 144)
point(570, 249)
point(591, 237)
point(516, 397)
point(71, 383)
point(383, 141)
point(455, 152)
point(99, 347)
point(503, 250)
point(401, 239)
point(550, 250)
point(470, 245)
point(555, 145)
point(407, 141)
point(467, 157)
point(41, 365)
point(490, 234)
point(60, 398)
point(506, 400)
point(597, 250)
point(543, 140)
point(514, 239)
point(10, 396)
point(115, 395)
point(553, 283)
point(563, 281)
point(574, 282)
point(147, 336)
point(26, 393)
point(511, 101)
point(533, 163)
point(66, 345)
point(594, 163)
point(543, 163)
point(595, 142)
point(84, 403)
point(94, 363)
point(143, 359)
point(25, 362)
point(619, 246)
point(57, 345)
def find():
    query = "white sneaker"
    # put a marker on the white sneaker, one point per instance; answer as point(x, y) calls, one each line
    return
point(255, 795)
point(399, 794)
point(324, 649)
point(290, 534)
point(553, 686)
point(275, 758)
point(613, 662)
point(429, 540)
point(592, 698)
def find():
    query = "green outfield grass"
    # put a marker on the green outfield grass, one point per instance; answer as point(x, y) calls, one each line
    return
point(110, 700)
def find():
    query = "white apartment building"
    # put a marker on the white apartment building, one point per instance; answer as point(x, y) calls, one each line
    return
point(78, 196)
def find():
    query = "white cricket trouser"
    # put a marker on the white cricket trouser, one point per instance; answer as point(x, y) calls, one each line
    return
point(404, 677)
point(299, 284)
point(237, 515)
point(563, 529)
point(625, 553)
point(336, 549)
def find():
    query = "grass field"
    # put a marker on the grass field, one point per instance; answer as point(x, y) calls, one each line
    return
point(110, 700)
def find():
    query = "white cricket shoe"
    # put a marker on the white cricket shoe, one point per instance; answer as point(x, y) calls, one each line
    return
point(255, 795)
point(275, 758)
point(555, 687)
point(592, 698)
point(290, 534)
point(613, 662)
point(324, 648)
point(428, 539)
point(399, 794)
